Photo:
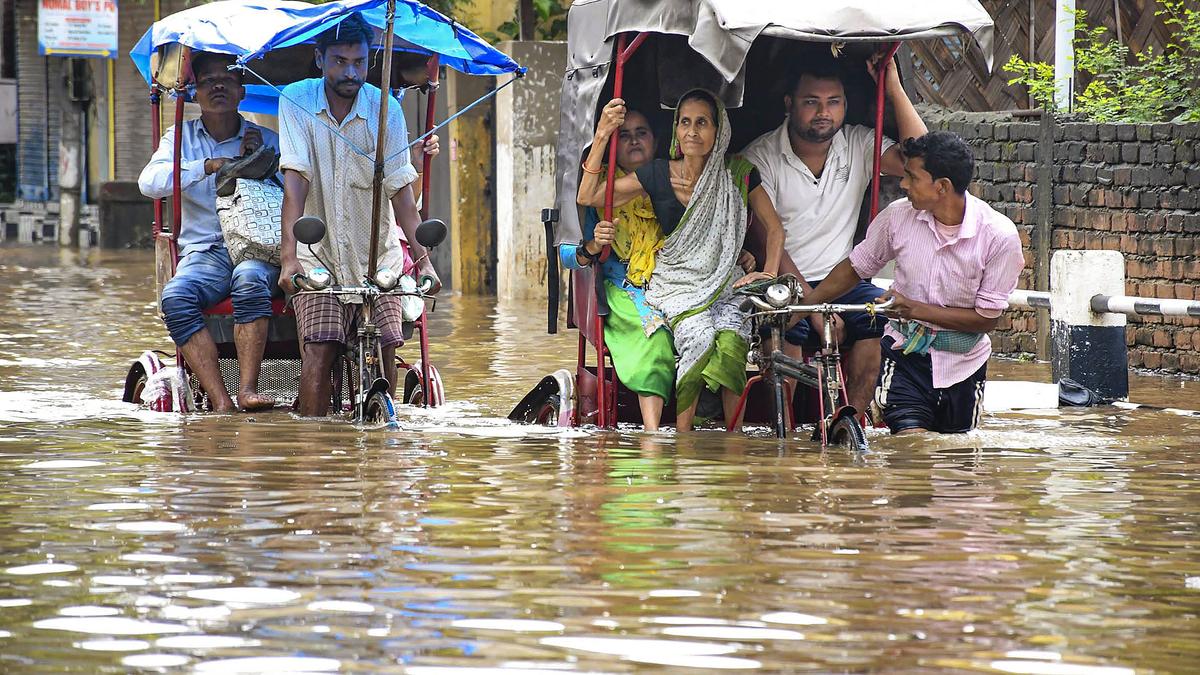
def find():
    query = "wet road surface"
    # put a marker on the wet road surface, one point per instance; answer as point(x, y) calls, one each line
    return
point(1049, 542)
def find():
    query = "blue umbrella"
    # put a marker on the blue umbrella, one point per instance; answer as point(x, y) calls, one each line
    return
point(248, 29)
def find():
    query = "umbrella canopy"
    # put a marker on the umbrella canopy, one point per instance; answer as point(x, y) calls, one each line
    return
point(248, 29)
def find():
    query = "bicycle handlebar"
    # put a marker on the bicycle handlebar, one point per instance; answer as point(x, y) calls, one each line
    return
point(823, 308)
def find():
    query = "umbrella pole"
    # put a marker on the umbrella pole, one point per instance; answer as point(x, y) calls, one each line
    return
point(385, 96)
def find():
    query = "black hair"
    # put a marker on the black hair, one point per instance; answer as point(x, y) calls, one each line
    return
point(946, 155)
point(818, 69)
point(352, 30)
point(202, 61)
point(700, 95)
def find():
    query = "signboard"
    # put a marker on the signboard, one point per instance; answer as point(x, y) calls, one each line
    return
point(77, 28)
point(8, 112)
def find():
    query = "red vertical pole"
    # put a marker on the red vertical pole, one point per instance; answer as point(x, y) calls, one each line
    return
point(602, 380)
point(430, 103)
point(880, 80)
point(426, 163)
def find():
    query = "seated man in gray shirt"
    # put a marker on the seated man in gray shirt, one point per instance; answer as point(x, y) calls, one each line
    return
point(206, 275)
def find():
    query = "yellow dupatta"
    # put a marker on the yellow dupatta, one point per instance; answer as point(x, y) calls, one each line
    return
point(638, 237)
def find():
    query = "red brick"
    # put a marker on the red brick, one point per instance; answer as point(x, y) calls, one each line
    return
point(1151, 360)
point(1184, 292)
point(1135, 359)
point(1189, 363)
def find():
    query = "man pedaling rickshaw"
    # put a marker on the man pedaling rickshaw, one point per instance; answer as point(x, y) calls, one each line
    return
point(326, 178)
point(206, 274)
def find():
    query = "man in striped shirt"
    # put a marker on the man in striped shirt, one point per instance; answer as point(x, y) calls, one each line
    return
point(957, 260)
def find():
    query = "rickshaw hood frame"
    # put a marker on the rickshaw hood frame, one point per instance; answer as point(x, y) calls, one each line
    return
point(722, 31)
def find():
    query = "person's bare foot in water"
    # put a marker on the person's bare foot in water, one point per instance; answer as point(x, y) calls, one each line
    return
point(250, 401)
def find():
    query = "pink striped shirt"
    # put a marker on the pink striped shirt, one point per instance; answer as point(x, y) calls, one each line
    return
point(977, 267)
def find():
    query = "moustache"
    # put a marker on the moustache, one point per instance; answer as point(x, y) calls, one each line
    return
point(350, 82)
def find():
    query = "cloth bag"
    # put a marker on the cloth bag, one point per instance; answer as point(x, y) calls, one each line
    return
point(250, 221)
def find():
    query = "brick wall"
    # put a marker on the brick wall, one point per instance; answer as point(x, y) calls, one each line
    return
point(1122, 187)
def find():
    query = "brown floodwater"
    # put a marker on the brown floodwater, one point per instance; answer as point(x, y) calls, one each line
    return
point(1060, 542)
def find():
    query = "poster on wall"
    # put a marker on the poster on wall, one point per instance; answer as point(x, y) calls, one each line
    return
point(77, 28)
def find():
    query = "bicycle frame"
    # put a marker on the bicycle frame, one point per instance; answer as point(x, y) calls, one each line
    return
point(826, 377)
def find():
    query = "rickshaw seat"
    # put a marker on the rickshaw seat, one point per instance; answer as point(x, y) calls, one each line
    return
point(279, 307)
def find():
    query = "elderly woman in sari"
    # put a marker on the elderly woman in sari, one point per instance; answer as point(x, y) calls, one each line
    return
point(700, 200)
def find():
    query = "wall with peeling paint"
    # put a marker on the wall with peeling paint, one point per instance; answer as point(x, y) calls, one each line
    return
point(526, 130)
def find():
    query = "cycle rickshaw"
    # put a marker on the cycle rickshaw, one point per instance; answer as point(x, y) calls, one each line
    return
point(272, 41)
point(650, 53)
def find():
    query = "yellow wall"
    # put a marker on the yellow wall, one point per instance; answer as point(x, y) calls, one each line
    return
point(486, 15)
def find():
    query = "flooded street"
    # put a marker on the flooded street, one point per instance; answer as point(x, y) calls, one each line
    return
point(1056, 542)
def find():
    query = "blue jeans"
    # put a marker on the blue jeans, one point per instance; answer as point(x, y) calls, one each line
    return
point(859, 325)
point(205, 278)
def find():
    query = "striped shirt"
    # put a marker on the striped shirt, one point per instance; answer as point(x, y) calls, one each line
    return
point(975, 266)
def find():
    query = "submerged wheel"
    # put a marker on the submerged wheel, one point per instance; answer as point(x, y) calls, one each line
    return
point(546, 412)
point(846, 432)
point(417, 392)
point(380, 410)
point(135, 385)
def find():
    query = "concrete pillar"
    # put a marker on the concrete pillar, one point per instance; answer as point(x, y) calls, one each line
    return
point(1088, 347)
point(526, 131)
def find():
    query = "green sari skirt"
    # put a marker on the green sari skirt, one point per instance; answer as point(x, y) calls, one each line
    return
point(646, 365)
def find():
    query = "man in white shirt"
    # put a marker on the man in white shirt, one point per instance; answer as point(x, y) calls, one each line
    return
point(327, 177)
point(816, 172)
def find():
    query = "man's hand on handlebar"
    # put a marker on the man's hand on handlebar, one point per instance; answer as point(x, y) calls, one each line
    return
point(901, 306)
point(426, 270)
point(288, 269)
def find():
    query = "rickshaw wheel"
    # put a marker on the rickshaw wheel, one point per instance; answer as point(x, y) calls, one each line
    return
point(846, 432)
point(546, 414)
point(135, 384)
point(415, 389)
point(380, 409)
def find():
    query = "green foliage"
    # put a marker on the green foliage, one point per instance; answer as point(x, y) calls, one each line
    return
point(1149, 87)
point(550, 22)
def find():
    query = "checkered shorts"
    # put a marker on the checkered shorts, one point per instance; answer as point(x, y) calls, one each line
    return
point(324, 318)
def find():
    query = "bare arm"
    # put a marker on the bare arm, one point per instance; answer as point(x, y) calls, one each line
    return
point(404, 207)
point(295, 194)
point(841, 279)
point(764, 211)
point(592, 184)
point(908, 121)
point(952, 318)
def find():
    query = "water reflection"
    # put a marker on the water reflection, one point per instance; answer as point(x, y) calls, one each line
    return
point(1055, 541)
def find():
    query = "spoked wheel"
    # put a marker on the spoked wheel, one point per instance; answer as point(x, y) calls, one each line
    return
point(847, 432)
point(419, 393)
point(380, 410)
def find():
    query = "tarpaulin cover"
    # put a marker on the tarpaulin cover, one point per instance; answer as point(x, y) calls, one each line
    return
point(247, 29)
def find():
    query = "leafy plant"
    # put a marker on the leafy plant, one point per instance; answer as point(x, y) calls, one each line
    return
point(550, 22)
point(1149, 87)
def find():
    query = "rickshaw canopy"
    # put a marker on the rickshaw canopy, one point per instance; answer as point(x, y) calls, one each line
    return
point(249, 29)
point(720, 33)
